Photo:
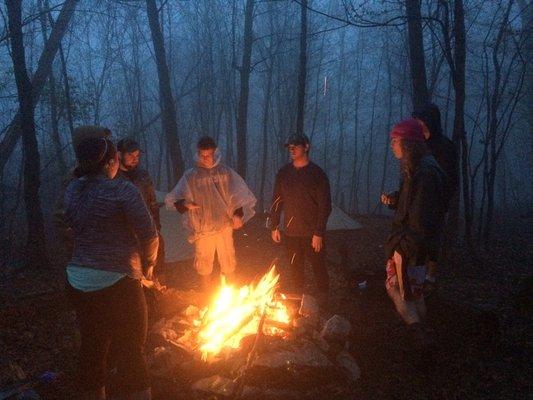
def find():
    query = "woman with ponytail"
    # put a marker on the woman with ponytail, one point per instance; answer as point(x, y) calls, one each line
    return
point(115, 247)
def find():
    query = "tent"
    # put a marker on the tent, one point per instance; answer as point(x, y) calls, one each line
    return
point(177, 248)
point(339, 220)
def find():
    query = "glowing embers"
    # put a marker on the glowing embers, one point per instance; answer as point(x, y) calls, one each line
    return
point(237, 312)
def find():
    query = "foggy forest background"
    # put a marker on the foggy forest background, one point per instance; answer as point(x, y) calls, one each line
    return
point(249, 73)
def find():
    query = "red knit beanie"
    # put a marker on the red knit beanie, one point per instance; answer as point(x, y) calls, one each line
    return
point(410, 129)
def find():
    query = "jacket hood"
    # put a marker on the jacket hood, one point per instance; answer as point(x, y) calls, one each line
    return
point(430, 115)
point(218, 158)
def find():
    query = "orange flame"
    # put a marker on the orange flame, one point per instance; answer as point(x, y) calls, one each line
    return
point(236, 312)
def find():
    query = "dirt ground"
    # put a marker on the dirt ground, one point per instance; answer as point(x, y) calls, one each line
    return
point(481, 317)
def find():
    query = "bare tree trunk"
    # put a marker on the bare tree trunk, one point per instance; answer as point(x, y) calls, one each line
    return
point(340, 111)
point(36, 253)
point(456, 63)
point(389, 121)
point(68, 97)
point(66, 83)
point(526, 8)
point(168, 110)
point(264, 136)
point(459, 134)
point(371, 136)
point(315, 113)
point(44, 66)
point(302, 75)
point(52, 97)
point(354, 185)
point(495, 101)
point(416, 53)
point(245, 70)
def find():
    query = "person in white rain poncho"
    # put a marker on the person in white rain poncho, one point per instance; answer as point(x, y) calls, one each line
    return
point(215, 201)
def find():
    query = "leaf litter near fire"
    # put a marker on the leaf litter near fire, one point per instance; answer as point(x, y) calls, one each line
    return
point(481, 316)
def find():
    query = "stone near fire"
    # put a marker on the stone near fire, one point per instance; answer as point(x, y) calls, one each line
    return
point(163, 361)
point(348, 365)
point(336, 329)
point(191, 311)
point(320, 341)
point(215, 384)
point(309, 307)
point(251, 392)
point(164, 328)
point(307, 354)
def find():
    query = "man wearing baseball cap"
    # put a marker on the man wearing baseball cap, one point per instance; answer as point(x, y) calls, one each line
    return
point(302, 193)
point(129, 153)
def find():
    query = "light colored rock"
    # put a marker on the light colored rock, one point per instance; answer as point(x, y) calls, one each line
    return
point(349, 366)
point(336, 328)
point(309, 307)
point(215, 384)
point(306, 354)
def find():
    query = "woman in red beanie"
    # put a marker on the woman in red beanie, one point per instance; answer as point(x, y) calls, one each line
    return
point(417, 224)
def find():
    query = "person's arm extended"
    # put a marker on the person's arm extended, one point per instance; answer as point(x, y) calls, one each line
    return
point(180, 197)
point(152, 203)
point(141, 221)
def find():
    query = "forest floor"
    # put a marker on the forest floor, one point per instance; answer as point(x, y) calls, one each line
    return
point(481, 321)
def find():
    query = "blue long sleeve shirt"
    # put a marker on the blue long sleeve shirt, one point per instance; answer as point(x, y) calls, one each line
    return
point(113, 229)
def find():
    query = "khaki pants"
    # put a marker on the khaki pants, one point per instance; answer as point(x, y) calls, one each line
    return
point(205, 247)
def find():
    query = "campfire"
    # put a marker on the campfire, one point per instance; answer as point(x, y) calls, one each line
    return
point(239, 312)
point(253, 340)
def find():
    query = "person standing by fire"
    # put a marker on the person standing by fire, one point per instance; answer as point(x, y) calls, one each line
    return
point(302, 193)
point(445, 154)
point(115, 250)
point(416, 227)
point(129, 153)
point(215, 201)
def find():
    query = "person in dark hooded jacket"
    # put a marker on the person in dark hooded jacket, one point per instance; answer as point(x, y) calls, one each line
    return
point(417, 223)
point(439, 146)
point(445, 153)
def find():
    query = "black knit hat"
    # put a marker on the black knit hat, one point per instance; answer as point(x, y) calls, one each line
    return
point(297, 139)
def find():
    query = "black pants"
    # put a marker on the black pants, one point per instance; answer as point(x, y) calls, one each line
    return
point(114, 320)
point(299, 250)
